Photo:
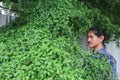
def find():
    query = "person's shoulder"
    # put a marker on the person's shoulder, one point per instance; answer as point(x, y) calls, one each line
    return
point(110, 57)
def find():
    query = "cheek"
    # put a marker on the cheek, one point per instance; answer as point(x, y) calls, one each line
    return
point(93, 42)
point(96, 41)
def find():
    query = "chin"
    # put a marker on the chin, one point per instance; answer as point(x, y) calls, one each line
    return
point(91, 46)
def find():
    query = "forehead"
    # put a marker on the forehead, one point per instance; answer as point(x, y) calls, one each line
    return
point(91, 33)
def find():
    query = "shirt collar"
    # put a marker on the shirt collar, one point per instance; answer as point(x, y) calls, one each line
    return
point(101, 50)
point(99, 53)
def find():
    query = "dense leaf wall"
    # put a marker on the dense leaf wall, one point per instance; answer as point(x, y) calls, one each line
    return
point(43, 43)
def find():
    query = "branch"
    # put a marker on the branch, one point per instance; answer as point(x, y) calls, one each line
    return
point(10, 9)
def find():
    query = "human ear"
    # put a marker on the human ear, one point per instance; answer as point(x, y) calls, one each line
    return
point(101, 38)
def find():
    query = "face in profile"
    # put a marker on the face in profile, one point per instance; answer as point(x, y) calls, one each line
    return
point(94, 40)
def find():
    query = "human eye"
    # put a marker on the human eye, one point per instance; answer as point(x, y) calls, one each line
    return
point(91, 37)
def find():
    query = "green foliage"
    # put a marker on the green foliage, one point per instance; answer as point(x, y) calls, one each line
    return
point(31, 52)
point(102, 71)
point(43, 43)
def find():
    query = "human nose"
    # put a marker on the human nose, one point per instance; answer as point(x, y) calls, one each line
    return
point(89, 39)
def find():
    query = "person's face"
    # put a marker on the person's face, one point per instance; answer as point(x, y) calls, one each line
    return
point(93, 40)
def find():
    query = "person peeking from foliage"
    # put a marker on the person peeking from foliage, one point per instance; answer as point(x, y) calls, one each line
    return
point(96, 38)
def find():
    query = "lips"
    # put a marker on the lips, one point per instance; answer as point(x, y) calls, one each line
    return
point(89, 42)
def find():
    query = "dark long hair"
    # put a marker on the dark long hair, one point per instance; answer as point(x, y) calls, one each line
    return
point(99, 31)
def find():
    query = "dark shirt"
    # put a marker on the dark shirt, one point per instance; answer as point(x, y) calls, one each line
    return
point(111, 60)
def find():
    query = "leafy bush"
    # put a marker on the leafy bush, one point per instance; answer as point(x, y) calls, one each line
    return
point(32, 53)
point(47, 45)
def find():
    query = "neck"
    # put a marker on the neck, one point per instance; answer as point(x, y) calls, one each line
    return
point(98, 47)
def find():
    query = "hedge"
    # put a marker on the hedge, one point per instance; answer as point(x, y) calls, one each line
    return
point(43, 43)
